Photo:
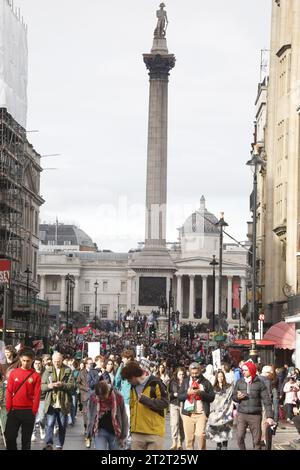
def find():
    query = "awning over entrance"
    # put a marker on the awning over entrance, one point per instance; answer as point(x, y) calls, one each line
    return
point(283, 334)
point(259, 342)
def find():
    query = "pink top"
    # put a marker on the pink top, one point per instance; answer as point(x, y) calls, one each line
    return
point(291, 393)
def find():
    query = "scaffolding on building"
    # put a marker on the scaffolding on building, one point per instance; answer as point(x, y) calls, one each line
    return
point(12, 150)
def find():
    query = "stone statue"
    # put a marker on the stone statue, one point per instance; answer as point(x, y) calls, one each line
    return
point(162, 23)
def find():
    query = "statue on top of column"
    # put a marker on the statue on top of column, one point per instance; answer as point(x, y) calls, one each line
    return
point(162, 23)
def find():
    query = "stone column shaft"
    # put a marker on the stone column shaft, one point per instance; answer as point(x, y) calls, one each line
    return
point(43, 287)
point(77, 294)
point(204, 298)
point(159, 66)
point(192, 297)
point(179, 293)
point(229, 297)
point(63, 293)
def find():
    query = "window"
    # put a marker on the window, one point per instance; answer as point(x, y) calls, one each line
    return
point(51, 242)
point(54, 286)
point(123, 286)
point(86, 286)
point(105, 286)
point(67, 242)
point(104, 311)
point(86, 309)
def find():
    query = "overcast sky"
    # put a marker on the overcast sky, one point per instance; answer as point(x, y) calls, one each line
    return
point(88, 97)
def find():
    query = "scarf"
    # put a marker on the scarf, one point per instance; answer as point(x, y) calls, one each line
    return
point(195, 384)
point(103, 406)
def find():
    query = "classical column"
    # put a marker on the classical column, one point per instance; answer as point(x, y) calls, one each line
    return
point(179, 293)
point(159, 63)
point(229, 299)
point(42, 287)
point(137, 292)
point(217, 297)
point(204, 299)
point(77, 294)
point(244, 292)
point(192, 297)
point(63, 307)
point(129, 292)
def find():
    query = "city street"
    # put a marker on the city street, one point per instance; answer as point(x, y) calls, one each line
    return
point(75, 439)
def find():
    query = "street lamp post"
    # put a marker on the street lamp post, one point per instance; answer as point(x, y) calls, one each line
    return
point(256, 162)
point(118, 307)
point(240, 291)
point(27, 272)
point(221, 224)
point(96, 285)
point(69, 302)
point(214, 263)
point(171, 302)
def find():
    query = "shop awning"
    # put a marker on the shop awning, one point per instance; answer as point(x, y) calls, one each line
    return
point(259, 342)
point(283, 334)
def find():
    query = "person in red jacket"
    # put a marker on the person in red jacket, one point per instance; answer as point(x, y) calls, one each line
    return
point(22, 401)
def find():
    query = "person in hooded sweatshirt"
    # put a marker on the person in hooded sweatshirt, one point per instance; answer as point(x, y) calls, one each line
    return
point(251, 393)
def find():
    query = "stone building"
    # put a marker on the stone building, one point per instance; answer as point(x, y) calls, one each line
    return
point(280, 208)
point(119, 285)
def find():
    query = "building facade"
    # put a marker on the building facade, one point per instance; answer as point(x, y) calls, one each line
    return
point(119, 284)
point(280, 202)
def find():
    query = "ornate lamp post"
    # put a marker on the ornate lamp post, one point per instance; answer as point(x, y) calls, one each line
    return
point(240, 307)
point(221, 224)
point(214, 263)
point(256, 162)
point(96, 285)
point(27, 272)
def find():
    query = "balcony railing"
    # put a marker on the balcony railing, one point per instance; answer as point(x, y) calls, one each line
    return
point(293, 305)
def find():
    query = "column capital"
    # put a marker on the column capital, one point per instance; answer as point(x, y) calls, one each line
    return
point(229, 276)
point(192, 276)
point(179, 274)
point(204, 276)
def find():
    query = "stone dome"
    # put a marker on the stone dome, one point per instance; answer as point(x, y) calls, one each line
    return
point(201, 221)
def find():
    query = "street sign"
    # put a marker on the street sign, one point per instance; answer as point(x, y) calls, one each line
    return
point(4, 271)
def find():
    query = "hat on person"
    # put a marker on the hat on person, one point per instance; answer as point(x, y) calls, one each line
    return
point(267, 370)
point(145, 365)
point(251, 368)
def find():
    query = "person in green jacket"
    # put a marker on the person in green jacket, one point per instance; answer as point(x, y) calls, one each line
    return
point(58, 383)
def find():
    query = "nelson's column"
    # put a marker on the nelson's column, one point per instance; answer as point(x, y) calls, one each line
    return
point(153, 265)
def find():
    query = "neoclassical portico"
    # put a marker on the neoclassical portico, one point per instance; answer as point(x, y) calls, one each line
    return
point(194, 295)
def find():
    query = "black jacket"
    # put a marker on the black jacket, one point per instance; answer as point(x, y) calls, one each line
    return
point(207, 396)
point(258, 394)
point(174, 388)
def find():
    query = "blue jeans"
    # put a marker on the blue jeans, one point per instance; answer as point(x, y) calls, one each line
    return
point(53, 415)
point(104, 440)
point(73, 411)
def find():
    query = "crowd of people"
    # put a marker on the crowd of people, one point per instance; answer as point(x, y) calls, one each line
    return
point(124, 400)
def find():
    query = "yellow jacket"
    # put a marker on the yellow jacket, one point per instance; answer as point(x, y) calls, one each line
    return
point(147, 414)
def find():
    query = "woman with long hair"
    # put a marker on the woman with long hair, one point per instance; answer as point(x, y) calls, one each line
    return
point(220, 421)
point(175, 416)
point(108, 422)
point(162, 374)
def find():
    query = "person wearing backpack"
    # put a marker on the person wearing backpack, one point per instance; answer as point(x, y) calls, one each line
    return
point(22, 402)
point(148, 404)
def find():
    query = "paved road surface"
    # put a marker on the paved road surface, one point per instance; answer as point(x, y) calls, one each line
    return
point(75, 438)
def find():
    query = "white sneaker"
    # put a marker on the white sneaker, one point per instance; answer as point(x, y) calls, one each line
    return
point(33, 438)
